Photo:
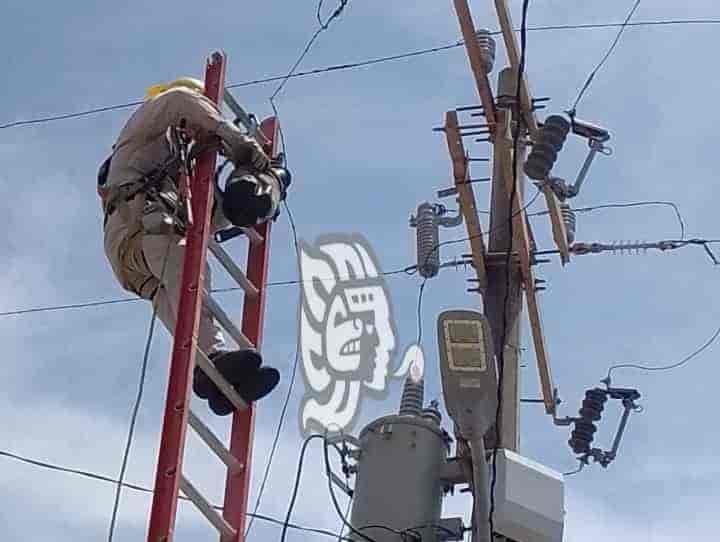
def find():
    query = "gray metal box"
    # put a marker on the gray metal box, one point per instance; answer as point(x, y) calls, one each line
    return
point(529, 500)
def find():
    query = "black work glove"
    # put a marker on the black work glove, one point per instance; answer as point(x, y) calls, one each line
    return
point(242, 149)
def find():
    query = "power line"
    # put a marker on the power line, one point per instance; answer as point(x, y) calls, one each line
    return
point(249, 83)
point(491, 230)
point(363, 63)
point(681, 221)
point(102, 478)
point(67, 116)
point(333, 497)
point(70, 306)
point(344, 519)
point(131, 429)
point(625, 24)
point(590, 78)
point(673, 206)
point(636, 247)
point(296, 485)
point(421, 290)
point(671, 366)
point(136, 405)
point(573, 472)
point(286, 402)
point(322, 26)
point(409, 270)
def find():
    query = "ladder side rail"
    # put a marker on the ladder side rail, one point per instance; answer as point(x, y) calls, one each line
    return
point(237, 486)
point(169, 465)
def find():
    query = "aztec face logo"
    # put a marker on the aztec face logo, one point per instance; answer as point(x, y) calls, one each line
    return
point(347, 333)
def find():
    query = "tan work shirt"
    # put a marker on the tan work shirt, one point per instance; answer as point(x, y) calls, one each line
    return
point(142, 145)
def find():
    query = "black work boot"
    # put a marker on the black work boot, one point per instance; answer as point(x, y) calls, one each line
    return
point(234, 365)
point(254, 386)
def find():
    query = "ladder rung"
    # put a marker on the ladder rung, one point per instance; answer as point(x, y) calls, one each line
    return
point(206, 509)
point(220, 381)
point(253, 235)
point(209, 438)
point(225, 322)
point(231, 267)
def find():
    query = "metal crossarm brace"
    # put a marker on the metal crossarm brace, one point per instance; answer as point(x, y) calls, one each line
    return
point(237, 487)
point(172, 443)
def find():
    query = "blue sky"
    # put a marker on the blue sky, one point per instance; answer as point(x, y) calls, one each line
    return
point(363, 156)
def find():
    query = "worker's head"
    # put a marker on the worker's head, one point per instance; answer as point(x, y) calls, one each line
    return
point(252, 198)
point(182, 82)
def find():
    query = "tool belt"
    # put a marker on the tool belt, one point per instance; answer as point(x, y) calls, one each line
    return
point(160, 195)
point(149, 206)
point(159, 211)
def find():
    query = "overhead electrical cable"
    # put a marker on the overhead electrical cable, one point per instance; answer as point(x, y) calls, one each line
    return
point(409, 270)
point(136, 405)
point(661, 368)
point(363, 63)
point(604, 59)
point(134, 487)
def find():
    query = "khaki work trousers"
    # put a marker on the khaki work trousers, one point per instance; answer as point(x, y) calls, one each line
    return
point(138, 267)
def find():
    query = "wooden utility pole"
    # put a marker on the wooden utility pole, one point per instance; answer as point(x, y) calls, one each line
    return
point(502, 301)
point(511, 238)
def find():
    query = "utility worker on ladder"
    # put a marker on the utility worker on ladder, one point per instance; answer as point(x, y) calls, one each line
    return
point(145, 213)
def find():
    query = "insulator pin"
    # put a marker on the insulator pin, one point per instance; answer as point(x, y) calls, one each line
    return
point(487, 49)
point(570, 220)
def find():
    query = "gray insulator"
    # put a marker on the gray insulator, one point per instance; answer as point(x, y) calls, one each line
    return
point(545, 149)
point(412, 397)
point(540, 161)
point(591, 411)
point(555, 131)
point(432, 413)
point(570, 220)
point(487, 48)
point(428, 239)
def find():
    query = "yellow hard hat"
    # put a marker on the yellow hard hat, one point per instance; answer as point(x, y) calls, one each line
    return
point(185, 82)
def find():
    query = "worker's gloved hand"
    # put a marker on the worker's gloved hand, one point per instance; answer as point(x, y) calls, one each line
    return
point(259, 159)
point(282, 174)
point(242, 150)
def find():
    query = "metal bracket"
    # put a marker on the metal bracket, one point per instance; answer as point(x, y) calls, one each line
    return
point(627, 396)
point(597, 137)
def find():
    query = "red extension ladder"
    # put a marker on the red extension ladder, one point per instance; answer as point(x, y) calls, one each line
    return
point(169, 478)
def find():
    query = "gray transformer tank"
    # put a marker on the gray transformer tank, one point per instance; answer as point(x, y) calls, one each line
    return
point(398, 482)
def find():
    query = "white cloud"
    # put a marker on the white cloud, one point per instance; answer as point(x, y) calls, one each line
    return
point(591, 520)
